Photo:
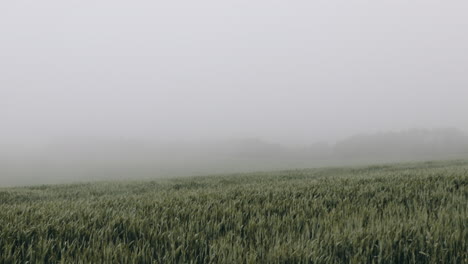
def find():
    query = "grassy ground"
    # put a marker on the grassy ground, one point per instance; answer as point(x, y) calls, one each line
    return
point(404, 213)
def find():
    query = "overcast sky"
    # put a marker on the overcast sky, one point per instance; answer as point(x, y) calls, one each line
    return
point(284, 71)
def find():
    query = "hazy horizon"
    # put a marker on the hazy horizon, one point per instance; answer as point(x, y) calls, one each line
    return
point(91, 159)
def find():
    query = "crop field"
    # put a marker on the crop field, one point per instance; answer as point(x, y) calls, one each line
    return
point(402, 213)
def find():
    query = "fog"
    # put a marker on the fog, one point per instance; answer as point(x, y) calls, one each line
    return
point(139, 89)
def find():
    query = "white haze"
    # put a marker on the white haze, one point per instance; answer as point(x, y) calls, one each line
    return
point(288, 72)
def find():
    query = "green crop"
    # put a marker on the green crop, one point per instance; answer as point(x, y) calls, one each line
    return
point(403, 213)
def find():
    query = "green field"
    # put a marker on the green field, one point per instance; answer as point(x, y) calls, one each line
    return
point(402, 213)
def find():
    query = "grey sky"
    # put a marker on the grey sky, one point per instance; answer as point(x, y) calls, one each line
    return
point(285, 71)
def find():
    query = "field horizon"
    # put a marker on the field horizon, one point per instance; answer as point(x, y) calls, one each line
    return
point(80, 159)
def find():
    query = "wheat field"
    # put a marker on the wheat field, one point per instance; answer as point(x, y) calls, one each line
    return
point(401, 213)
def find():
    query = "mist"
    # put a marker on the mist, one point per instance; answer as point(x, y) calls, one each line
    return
point(117, 89)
